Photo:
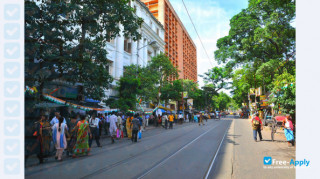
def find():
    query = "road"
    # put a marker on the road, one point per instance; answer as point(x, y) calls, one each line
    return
point(187, 151)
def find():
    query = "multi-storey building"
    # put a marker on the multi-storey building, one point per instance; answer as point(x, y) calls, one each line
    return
point(124, 51)
point(179, 45)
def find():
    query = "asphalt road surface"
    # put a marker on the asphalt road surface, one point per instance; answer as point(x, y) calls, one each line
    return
point(187, 151)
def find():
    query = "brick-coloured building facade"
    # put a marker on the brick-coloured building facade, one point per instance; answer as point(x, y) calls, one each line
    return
point(179, 45)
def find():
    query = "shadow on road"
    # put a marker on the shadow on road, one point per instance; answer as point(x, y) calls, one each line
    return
point(230, 137)
point(281, 141)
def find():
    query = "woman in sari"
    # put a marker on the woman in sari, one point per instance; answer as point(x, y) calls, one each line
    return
point(44, 136)
point(83, 133)
point(288, 130)
point(128, 126)
point(73, 135)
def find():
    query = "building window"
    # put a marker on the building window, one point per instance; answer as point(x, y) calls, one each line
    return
point(109, 39)
point(127, 45)
point(149, 56)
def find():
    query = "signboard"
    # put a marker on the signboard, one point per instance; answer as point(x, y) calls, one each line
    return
point(185, 94)
point(258, 91)
point(264, 103)
point(190, 102)
point(62, 91)
point(263, 97)
point(252, 91)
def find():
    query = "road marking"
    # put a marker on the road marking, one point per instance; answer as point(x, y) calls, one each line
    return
point(185, 146)
point(210, 167)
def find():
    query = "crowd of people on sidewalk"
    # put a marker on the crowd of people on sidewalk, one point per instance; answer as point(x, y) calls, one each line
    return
point(74, 135)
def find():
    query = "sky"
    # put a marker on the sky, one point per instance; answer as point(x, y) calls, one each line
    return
point(211, 19)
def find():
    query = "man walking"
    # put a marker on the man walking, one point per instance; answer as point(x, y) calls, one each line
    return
point(180, 118)
point(94, 128)
point(165, 118)
point(147, 120)
point(135, 125)
point(171, 118)
point(201, 119)
point(257, 127)
point(106, 124)
point(143, 116)
point(113, 126)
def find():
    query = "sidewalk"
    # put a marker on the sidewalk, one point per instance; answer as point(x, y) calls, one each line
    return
point(241, 157)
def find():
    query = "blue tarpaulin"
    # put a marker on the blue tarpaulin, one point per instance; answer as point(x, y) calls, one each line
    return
point(91, 100)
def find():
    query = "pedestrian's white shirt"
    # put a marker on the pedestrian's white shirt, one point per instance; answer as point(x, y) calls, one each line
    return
point(119, 120)
point(180, 116)
point(165, 117)
point(94, 122)
point(113, 126)
point(113, 119)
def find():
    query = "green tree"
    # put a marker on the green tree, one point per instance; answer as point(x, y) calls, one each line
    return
point(223, 101)
point(162, 68)
point(217, 78)
point(261, 32)
point(284, 93)
point(66, 40)
point(128, 87)
point(171, 90)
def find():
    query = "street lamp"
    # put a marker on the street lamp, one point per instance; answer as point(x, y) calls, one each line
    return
point(151, 43)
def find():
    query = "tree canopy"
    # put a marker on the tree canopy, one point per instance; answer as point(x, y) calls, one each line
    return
point(66, 41)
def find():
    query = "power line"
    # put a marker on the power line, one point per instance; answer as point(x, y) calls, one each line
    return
point(197, 33)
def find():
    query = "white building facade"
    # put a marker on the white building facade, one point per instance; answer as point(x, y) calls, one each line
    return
point(124, 52)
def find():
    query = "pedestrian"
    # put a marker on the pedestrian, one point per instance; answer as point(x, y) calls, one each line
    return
point(288, 130)
point(195, 118)
point(113, 126)
point(147, 120)
point(143, 116)
point(55, 119)
point(73, 135)
point(165, 119)
point(159, 120)
point(94, 128)
point(83, 135)
point(44, 137)
point(101, 121)
point(105, 124)
point(176, 118)
point(257, 127)
point(60, 130)
point(201, 119)
point(128, 126)
point(180, 118)
point(171, 118)
point(108, 123)
point(135, 125)
point(119, 121)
